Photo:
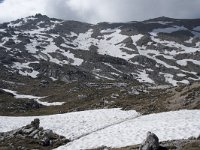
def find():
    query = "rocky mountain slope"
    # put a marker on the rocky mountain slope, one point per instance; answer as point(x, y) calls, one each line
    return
point(156, 51)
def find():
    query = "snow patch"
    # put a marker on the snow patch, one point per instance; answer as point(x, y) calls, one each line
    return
point(160, 22)
point(181, 75)
point(170, 79)
point(84, 40)
point(36, 98)
point(108, 31)
point(72, 125)
point(109, 65)
point(184, 62)
point(167, 30)
point(112, 127)
point(189, 41)
point(144, 77)
point(108, 44)
point(25, 69)
point(111, 45)
point(197, 28)
point(137, 37)
point(168, 126)
point(2, 30)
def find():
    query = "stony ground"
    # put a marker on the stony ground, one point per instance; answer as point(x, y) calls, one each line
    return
point(92, 95)
point(95, 94)
point(190, 144)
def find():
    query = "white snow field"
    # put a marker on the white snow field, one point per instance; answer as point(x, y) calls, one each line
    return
point(112, 127)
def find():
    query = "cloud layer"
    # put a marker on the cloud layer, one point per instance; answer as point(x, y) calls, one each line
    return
point(100, 10)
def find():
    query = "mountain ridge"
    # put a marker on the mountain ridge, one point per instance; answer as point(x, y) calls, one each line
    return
point(155, 51)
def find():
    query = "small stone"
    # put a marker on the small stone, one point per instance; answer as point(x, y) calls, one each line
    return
point(36, 136)
point(20, 136)
point(28, 131)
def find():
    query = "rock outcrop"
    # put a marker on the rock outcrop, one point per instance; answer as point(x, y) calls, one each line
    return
point(31, 136)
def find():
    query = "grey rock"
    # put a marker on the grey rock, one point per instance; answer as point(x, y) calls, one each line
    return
point(35, 133)
point(151, 142)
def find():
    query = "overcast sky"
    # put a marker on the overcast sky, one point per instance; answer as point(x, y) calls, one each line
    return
point(94, 11)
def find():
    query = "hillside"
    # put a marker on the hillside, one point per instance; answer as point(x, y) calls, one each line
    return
point(157, 51)
point(99, 85)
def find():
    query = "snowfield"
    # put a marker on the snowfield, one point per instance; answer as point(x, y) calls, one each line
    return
point(112, 127)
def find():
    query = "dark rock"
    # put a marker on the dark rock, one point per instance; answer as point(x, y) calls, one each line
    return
point(10, 42)
point(46, 141)
point(151, 143)
point(144, 40)
point(36, 123)
point(8, 59)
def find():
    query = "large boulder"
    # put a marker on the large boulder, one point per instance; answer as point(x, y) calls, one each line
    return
point(151, 142)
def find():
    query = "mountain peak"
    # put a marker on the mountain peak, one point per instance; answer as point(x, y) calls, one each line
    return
point(162, 18)
point(38, 15)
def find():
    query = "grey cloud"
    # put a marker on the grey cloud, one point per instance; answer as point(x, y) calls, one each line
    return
point(108, 10)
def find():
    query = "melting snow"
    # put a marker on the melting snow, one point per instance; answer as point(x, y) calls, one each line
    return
point(161, 22)
point(84, 40)
point(184, 62)
point(72, 125)
point(108, 31)
point(2, 30)
point(144, 77)
point(98, 76)
point(183, 49)
point(167, 30)
point(31, 72)
point(189, 41)
point(197, 28)
point(168, 126)
point(135, 38)
point(112, 127)
point(36, 98)
point(109, 65)
point(146, 53)
point(108, 44)
point(52, 48)
point(181, 75)
point(170, 79)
